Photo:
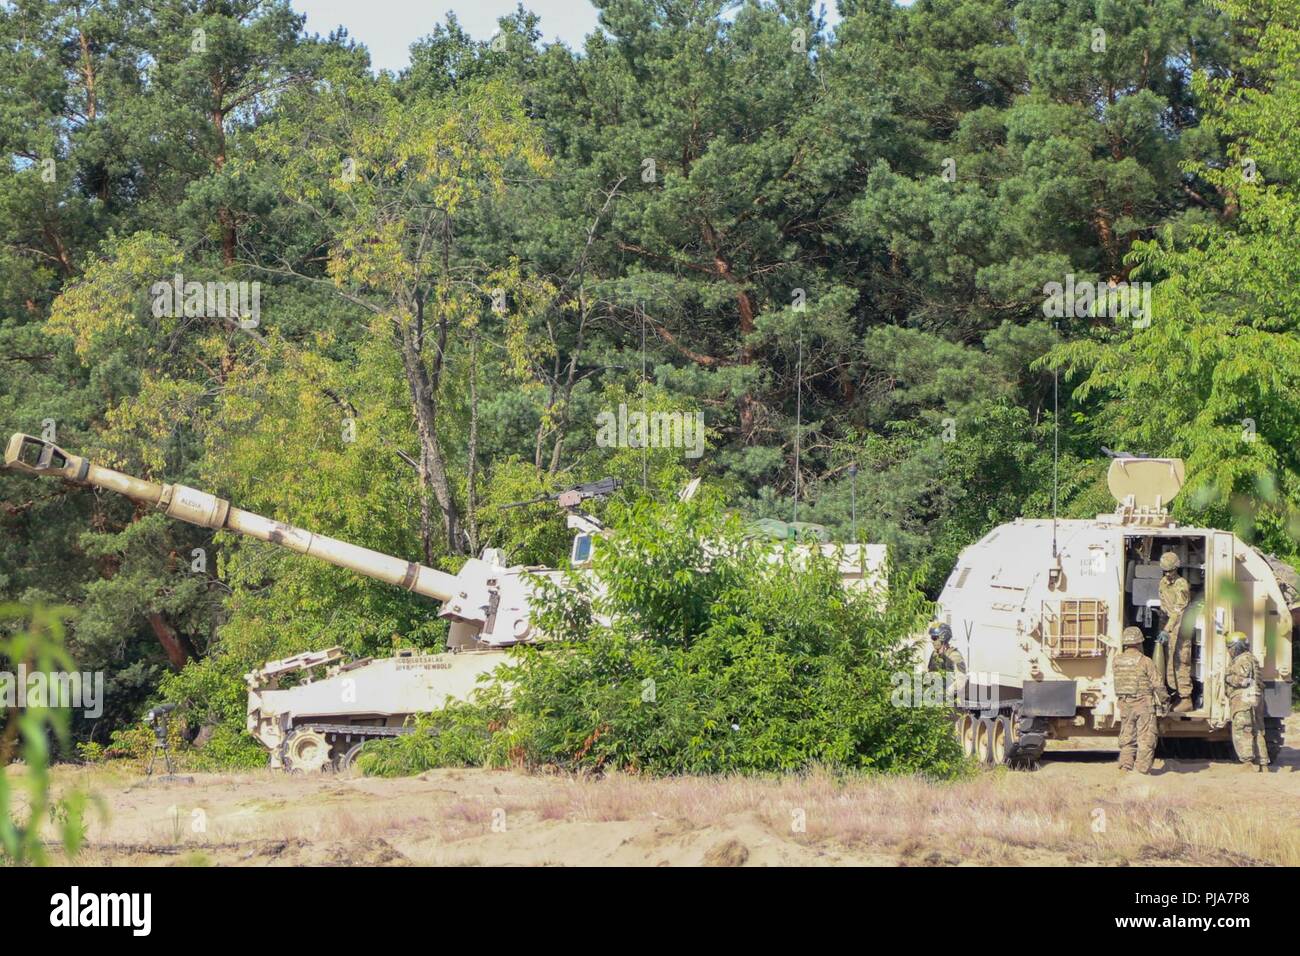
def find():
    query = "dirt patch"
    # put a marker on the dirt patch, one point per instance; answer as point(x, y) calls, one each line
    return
point(1077, 809)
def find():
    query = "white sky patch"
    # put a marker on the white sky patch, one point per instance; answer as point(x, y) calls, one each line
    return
point(388, 27)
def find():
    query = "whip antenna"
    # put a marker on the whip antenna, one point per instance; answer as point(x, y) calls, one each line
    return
point(645, 418)
point(1056, 442)
point(798, 418)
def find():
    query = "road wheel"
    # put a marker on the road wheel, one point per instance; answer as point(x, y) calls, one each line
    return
point(306, 751)
point(968, 735)
point(349, 756)
point(1001, 743)
point(984, 740)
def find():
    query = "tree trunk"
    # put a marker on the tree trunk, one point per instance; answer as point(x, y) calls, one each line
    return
point(471, 468)
point(176, 646)
point(424, 404)
point(225, 218)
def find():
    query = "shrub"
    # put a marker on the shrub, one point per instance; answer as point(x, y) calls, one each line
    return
point(91, 752)
point(719, 656)
point(228, 748)
point(462, 734)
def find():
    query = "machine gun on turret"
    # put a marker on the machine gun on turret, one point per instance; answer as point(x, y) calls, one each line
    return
point(570, 498)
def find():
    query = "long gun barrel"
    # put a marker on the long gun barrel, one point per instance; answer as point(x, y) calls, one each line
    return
point(35, 456)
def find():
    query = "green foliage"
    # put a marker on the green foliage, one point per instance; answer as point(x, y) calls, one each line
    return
point(463, 266)
point(460, 735)
point(134, 743)
point(91, 752)
point(720, 656)
point(1213, 379)
point(226, 749)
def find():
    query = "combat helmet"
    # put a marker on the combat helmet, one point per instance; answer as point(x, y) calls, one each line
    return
point(1132, 635)
point(1169, 561)
point(939, 631)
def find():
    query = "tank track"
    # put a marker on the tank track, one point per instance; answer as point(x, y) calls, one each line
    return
point(1274, 735)
point(348, 731)
point(1030, 742)
point(346, 740)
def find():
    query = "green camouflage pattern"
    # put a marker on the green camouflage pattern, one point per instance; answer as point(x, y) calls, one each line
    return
point(946, 659)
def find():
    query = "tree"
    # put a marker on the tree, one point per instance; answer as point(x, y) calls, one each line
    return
point(390, 181)
point(1213, 378)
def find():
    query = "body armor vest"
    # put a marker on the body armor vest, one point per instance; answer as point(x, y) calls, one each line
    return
point(1129, 677)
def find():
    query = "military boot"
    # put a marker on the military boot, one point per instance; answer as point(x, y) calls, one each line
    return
point(1183, 706)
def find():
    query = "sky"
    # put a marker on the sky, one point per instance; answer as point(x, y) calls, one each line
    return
point(388, 27)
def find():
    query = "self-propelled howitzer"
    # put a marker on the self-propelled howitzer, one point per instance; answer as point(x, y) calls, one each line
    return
point(324, 721)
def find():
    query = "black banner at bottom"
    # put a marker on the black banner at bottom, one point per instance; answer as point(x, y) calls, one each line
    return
point(182, 906)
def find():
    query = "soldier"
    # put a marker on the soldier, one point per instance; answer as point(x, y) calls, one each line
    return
point(946, 659)
point(1142, 697)
point(1175, 595)
point(1242, 680)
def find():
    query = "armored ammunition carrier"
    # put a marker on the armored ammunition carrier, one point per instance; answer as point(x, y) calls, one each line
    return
point(1036, 608)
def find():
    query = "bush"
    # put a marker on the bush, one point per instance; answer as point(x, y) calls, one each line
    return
point(720, 656)
point(131, 743)
point(91, 752)
point(460, 735)
point(229, 748)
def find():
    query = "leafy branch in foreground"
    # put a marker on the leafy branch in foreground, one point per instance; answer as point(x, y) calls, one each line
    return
point(33, 637)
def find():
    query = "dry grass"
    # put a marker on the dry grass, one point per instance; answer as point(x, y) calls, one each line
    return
point(1072, 812)
point(988, 817)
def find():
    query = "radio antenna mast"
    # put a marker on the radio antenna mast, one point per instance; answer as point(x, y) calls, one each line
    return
point(1056, 442)
point(798, 418)
point(645, 418)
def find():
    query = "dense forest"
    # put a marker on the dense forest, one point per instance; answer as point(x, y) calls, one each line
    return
point(835, 246)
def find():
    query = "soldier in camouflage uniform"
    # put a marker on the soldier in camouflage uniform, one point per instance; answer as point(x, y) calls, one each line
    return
point(1175, 595)
point(1142, 697)
point(1244, 703)
point(946, 659)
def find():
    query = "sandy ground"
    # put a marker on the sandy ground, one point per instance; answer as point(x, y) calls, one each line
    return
point(1076, 809)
